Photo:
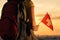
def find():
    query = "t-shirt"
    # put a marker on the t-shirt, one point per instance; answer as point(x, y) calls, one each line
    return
point(28, 3)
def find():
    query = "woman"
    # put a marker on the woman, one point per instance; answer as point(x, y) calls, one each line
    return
point(31, 17)
point(27, 20)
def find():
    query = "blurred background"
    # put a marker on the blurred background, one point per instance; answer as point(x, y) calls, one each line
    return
point(53, 8)
point(41, 8)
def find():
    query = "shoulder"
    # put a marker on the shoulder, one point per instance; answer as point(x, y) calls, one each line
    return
point(28, 3)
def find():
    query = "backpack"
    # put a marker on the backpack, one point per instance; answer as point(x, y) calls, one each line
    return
point(8, 22)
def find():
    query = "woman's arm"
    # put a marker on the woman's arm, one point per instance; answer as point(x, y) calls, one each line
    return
point(30, 12)
point(35, 27)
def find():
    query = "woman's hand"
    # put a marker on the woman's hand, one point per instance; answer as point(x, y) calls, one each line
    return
point(35, 28)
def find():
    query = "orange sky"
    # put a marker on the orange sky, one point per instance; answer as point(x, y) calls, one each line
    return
point(41, 7)
point(53, 8)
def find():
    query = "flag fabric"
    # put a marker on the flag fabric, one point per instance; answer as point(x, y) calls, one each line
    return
point(47, 21)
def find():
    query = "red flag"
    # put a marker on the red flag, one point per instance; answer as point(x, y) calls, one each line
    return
point(47, 21)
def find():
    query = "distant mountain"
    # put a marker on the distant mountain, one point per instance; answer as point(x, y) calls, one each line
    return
point(42, 15)
point(49, 38)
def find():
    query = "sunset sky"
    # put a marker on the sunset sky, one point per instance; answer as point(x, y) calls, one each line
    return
point(41, 8)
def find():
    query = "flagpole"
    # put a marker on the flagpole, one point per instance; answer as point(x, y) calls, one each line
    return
point(39, 23)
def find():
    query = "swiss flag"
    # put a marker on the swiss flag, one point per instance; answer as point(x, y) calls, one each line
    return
point(47, 21)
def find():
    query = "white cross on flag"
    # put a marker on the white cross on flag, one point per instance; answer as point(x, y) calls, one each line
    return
point(47, 21)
